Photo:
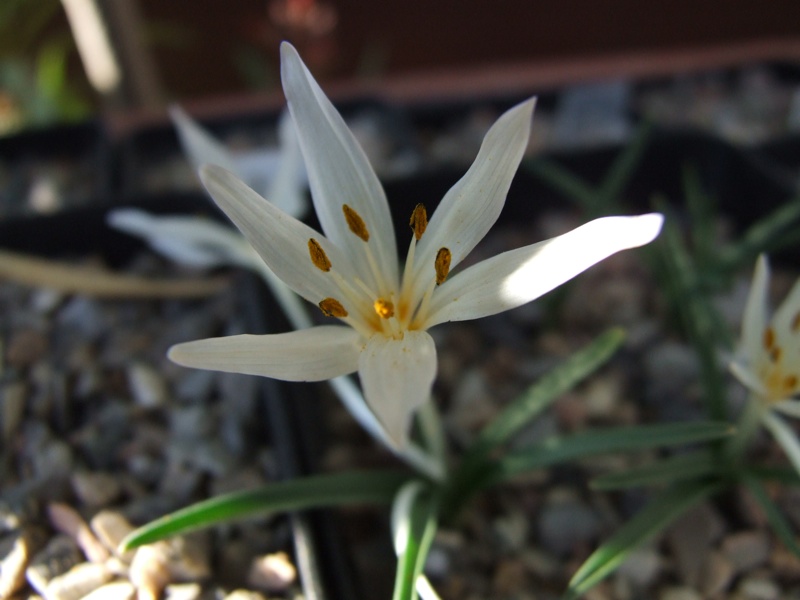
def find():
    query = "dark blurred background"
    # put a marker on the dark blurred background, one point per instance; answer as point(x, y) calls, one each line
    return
point(185, 49)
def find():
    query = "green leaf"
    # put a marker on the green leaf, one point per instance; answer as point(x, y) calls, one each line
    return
point(784, 475)
point(779, 524)
point(374, 487)
point(622, 171)
point(564, 181)
point(548, 389)
point(761, 236)
point(414, 523)
point(675, 468)
point(650, 521)
point(618, 439)
point(467, 479)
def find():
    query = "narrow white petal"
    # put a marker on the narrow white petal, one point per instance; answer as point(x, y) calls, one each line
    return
point(786, 324)
point(519, 276)
point(755, 314)
point(190, 241)
point(338, 170)
point(281, 240)
point(312, 354)
point(198, 144)
point(789, 407)
point(471, 206)
point(397, 376)
point(785, 436)
point(743, 372)
point(287, 188)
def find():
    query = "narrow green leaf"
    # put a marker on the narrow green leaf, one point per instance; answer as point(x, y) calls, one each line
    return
point(618, 439)
point(779, 524)
point(564, 182)
point(622, 170)
point(373, 487)
point(675, 468)
point(536, 399)
point(784, 475)
point(414, 533)
point(548, 389)
point(760, 236)
point(651, 520)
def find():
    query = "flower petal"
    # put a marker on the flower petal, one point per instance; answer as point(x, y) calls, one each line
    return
point(470, 208)
point(190, 241)
point(397, 376)
point(338, 172)
point(785, 436)
point(789, 407)
point(755, 314)
point(200, 146)
point(519, 276)
point(786, 325)
point(312, 354)
point(281, 240)
point(744, 373)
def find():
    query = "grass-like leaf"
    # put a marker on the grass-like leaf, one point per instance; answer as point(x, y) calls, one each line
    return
point(762, 236)
point(357, 487)
point(413, 530)
point(675, 468)
point(618, 439)
point(650, 521)
point(536, 399)
point(776, 519)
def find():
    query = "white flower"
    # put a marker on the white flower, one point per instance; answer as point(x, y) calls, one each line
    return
point(768, 358)
point(353, 272)
point(277, 174)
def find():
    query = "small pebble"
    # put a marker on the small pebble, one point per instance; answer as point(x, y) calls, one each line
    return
point(746, 550)
point(679, 593)
point(757, 588)
point(111, 528)
point(718, 574)
point(272, 572)
point(79, 581)
point(58, 557)
point(116, 590)
point(95, 489)
point(16, 550)
point(65, 519)
point(147, 386)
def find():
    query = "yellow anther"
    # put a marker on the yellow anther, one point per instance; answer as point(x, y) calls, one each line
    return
point(776, 354)
point(442, 265)
point(355, 222)
point(419, 220)
point(331, 307)
point(796, 323)
point(790, 382)
point(769, 338)
point(384, 308)
point(318, 256)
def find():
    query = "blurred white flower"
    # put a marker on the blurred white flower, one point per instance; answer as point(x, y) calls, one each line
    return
point(767, 360)
point(278, 175)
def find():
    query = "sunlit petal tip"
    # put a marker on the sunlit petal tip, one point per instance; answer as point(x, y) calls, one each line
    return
point(649, 226)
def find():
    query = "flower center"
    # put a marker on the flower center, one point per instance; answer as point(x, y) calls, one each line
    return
point(780, 381)
point(372, 311)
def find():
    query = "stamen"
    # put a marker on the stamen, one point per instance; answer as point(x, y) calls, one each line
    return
point(384, 308)
point(355, 222)
point(419, 220)
point(796, 323)
point(442, 265)
point(331, 307)
point(775, 354)
point(318, 256)
point(790, 382)
point(769, 338)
